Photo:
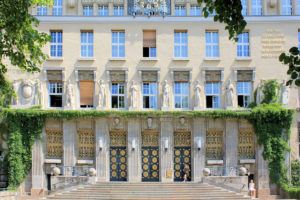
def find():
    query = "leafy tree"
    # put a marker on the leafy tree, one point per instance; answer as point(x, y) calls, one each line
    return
point(292, 59)
point(20, 41)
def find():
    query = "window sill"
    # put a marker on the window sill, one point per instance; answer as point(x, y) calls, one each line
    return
point(149, 59)
point(53, 161)
point(181, 59)
point(55, 59)
point(86, 58)
point(117, 59)
point(247, 161)
point(212, 58)
point(214, 162)
point(243, 58)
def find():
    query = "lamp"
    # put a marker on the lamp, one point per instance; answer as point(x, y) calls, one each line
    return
point(133, 144)
point(100, 144)
point(199, 144)
point(166, 144)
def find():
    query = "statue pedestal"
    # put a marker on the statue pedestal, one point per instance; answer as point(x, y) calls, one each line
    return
point(165, 109)
point(198, 108)
point(68, 108)
point(230, 108)
point(133, 108)
point(101, 108)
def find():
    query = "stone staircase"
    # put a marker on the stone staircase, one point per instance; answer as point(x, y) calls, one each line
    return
point(124, 190)
point(3, 177)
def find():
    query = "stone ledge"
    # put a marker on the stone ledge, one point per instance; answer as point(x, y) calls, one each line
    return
point(215, 162)
point(54, 161)
point(246, 161)
point(85, 161)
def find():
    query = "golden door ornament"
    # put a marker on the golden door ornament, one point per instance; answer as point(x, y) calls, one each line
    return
point(54, 143)
point(246, 144)
point(214, 144)
point(149, 139)
point(86, 144)
point(118, 138)
point(182, 139)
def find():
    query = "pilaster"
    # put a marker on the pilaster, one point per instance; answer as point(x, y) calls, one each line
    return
point(198, 160)
point(95, 9)
point(134, 150)
point(110, 9)
point(262, 180)
point(102, 149)
point(38, 177)
point(231, 145)
point(188, 9)
point(69, 131)
point(166, 149)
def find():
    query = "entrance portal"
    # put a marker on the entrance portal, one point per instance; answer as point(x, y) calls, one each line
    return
point(118, 162)
point(182, 154)
point(150, 159)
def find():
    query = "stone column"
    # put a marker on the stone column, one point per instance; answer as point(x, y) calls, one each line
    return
point(166, 155)
point(69, 131)
point(198, 159)
point(134, 153)
point(38, 174)
point(230, 145)
point(262, 174)
point(102, 154)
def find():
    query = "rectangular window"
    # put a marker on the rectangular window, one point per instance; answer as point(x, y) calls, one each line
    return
point(212, 44)
point(286, 7)
point(212, 91)
point(118, 10)
point(56, 44)
point(298, 10)
point(55, 94)
point(181, 95)
point(244, 5)
point(118, 44)
point(103, 10)
point(118, 95)
point(243, 93)
point(42, 10)
point(149, 43)
point(86, 94)
point(180, 11)
point(180, 44)
point(195, 10)
point(243, 45)
point(256, 7)
point(150, 95)
point(87, 44)
point(57, 8)
point(87, 10)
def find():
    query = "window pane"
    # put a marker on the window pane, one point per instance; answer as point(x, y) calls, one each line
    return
point(146, 88)
point(185, 102)
point(114, 88)
point(177, 102)
point(153, 88)
point(153, 103)
point(177, 88)
point(121, 102)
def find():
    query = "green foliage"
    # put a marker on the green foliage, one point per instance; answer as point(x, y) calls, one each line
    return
point(270, 89)
point(20, 41)
point(6, 92)
point(295, 173)
point(228, 12)
point(292, 59)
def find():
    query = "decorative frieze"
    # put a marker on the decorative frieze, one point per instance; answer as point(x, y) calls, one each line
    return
point(246, 144)
point(244, 75)
point(118, 138)
point(149, 76)
point(54, 144)
point(150, 139)
point(214, 144)
point(181, 76)
point(117, 76)
point(86, 144)
point(213, 75)
point(182, 139)
point(54, 75)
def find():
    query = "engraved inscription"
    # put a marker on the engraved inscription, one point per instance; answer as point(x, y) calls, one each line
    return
point(272, 43)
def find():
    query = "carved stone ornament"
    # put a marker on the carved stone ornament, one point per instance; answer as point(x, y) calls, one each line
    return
point(230, 95)
point(213, 75)
point(149, 122)
point(149, 76)
point(86, 75)
point(181, 76)
point(134, 94)
point(285, 93)
point(117, 76)
point(71, 3)
point(272, 3)
point(15, 100)
point(27, 89)
point(197, 92)
point(117, 123)
point(182, 124)
point(244, 75)
point(166, 94)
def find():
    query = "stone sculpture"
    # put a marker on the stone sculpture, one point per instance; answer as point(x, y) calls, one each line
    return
point(102, 92)
point(38, 92)
point(15, 100)
point(134, 94)
point(149, 122)
point(27, 91)
point(285, 93)
point(70, 95)
point(166, 94)
point(259, 93)
point(229, 94)
point(197, 94)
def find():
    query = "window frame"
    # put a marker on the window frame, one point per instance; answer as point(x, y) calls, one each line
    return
point(211, 53)
point(56, 44)
point(182, 94)
point(152, 50)
point(155, 95)
point(243, 44)
point(103, 9)
point(214, 95)
point(181, 44)
point(244, 7)
point(57, 8)
point(118, 44)
point(194, 10)
point(86, 45)
point(119, 11)
point(243, 93)
point(180, 10)
point(286, 9)
point(87, 10)
point(256, 7)
point(56, 93)
point(42, 10)
point(118, 95)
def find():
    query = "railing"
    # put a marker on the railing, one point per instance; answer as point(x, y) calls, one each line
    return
point(217, 170)
point(74, 170)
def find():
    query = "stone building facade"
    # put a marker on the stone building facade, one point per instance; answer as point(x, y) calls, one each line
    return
point(123, 55)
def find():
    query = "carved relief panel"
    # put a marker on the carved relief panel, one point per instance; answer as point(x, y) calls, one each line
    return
point(182, 124)
point(54, 139)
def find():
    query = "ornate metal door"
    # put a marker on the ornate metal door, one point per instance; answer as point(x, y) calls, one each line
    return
point(182, 154)
point(150, 159)
point(118, 158)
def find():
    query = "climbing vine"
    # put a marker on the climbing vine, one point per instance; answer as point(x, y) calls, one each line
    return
point(270, 89)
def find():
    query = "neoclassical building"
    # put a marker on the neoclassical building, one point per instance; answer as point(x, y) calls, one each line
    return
point(164, 55)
